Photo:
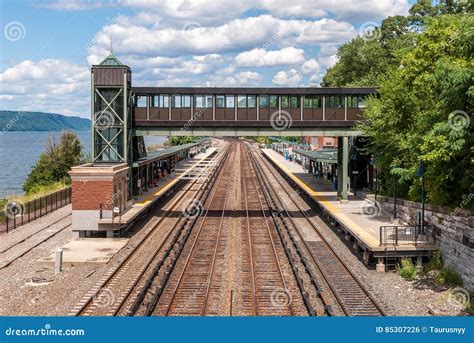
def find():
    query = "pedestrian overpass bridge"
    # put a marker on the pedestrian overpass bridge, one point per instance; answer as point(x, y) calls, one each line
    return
point(225, 111)
point(122, 114)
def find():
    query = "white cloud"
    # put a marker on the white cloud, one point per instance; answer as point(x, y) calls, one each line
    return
point(243, 78)
point(290, 78)
point(342, 9)
point(310, 66)
point(236, 35)
point(77, 5)
point(211, 11)
point(197, 42)
point(261, 57)
point(53, 85)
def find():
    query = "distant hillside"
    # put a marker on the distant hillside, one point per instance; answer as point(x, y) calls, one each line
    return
point(40, 121)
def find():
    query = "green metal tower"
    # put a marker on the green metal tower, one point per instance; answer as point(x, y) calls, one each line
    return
point(111, 108)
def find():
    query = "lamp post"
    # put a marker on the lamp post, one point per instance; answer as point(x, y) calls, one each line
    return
point(394, 197)
point(355, 173)
point(421, 172)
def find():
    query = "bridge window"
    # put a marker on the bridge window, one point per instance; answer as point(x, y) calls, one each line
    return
point(354, 101)
point(186, 101)
point(198, 101)
point(361, 102)
point(294, 101)
point(335, 101)
point(159, 101)
point(242, 101)
point(140, 101)
point(176, 101)
point(203, 101)
point(274, 101)
point(285, 103)
point(264, 101)
point(208, 101)
point(251, 101)
point(229, 101)
point(312, 101)
point(220, 100)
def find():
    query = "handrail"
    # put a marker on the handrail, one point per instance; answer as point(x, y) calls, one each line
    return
point(406, 234)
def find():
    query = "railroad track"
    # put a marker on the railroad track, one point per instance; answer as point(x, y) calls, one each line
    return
point(119, 285)
point(35, 233)
point(7, 262)
point(351, 296)
point(195, 285)
point(189, 291)
point(269, 294)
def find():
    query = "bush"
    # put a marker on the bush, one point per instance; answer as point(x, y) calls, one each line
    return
point(406, 269)
point(449, 276)
point(435, 262)
point(54, 163)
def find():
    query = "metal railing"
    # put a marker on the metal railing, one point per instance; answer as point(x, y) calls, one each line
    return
point(406, 234)
point(36, 208)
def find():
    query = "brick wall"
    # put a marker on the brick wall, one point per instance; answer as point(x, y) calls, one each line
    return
point(89, 195)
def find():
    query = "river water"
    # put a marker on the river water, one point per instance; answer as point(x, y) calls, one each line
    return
point(19, 151)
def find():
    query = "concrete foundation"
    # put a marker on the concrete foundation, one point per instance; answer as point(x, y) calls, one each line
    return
point(380, 267)
point(89, 250)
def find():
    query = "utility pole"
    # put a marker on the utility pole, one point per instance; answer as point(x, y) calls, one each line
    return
point(394, 196)
point(422, 169)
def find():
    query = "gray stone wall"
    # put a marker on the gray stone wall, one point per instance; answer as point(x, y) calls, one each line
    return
point(454, 232)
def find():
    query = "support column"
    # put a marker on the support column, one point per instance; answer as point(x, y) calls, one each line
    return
point(419, 264)
point(342, 167)
point(380, 267)
point(339, 167)
point(345, 166)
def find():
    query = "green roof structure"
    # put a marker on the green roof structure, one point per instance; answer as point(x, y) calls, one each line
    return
point(325, 155)
point(111, 60)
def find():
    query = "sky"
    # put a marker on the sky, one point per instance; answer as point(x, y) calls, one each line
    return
point(48, 46)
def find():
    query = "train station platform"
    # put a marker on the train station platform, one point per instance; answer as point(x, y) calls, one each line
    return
point(198, 166)
point(360, 218)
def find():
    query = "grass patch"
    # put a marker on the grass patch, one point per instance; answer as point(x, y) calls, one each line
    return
point(435, 262)
point(450, 277)
point(35, 193)
point(406, 269)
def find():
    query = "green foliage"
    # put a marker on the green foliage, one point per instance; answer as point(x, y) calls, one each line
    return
point(39, 121)
point(423, 67)
point(54, 163)
point(179, 140)
point(3, 202)
point(406, 269)
point(435, 262)
point(449, 276)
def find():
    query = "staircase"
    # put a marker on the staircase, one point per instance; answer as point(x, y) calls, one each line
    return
point(390, 259)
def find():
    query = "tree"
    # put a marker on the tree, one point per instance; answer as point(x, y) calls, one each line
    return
point(55, 162)
point(180, 140)
point(423, 112)
point(422, 65)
